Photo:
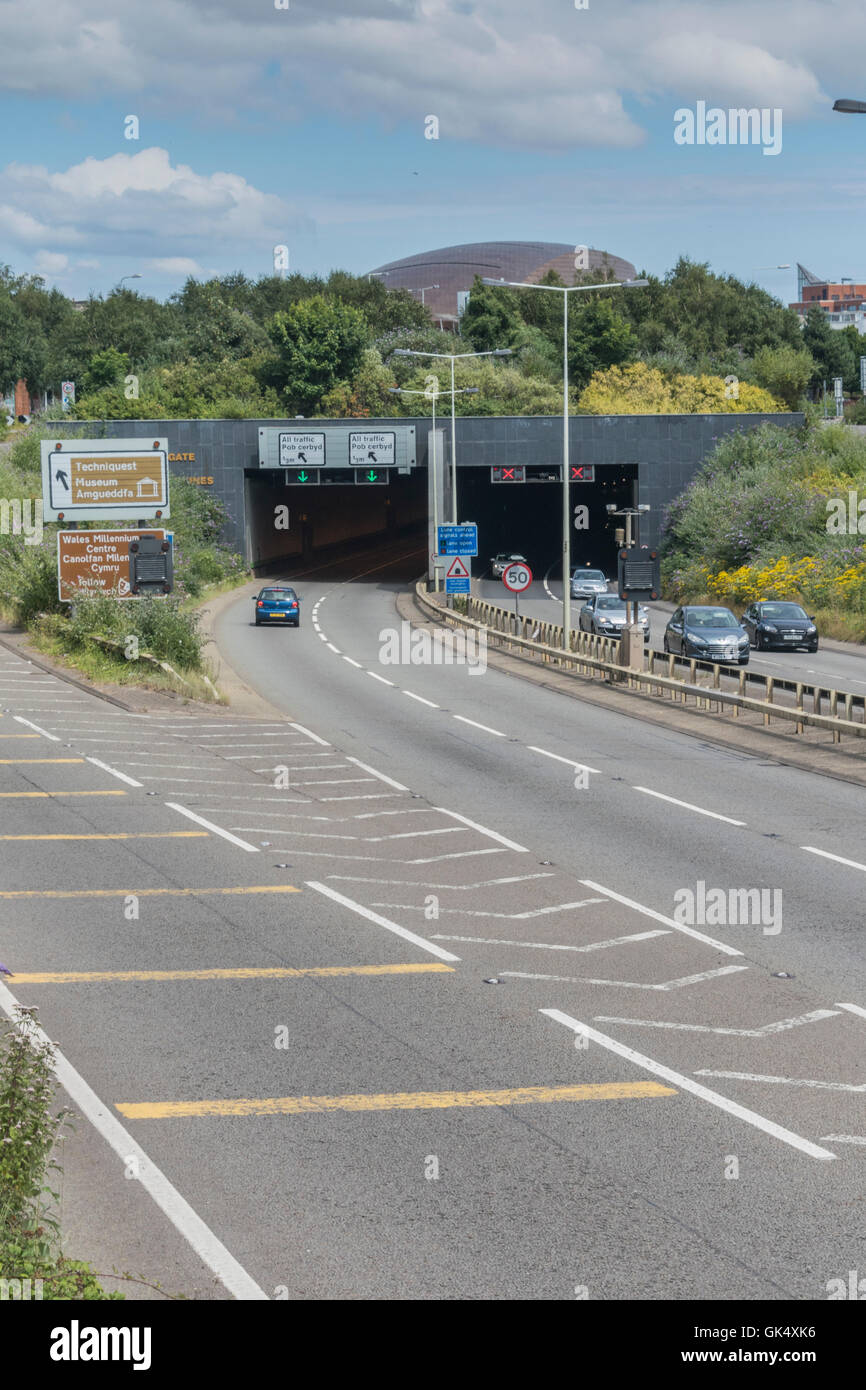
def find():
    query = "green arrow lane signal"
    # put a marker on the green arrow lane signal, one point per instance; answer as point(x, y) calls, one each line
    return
point(303, 476)
point(371, 476)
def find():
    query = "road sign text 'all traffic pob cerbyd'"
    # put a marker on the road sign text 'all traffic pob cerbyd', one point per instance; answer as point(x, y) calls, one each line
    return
point(101, 479)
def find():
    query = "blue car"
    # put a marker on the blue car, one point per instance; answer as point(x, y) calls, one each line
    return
point(278, 603)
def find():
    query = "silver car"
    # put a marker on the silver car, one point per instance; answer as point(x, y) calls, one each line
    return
point(586, 582)
point(606, 616)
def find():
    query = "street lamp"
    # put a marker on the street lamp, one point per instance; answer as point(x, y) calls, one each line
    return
point(851, 108)
point(452, 357)
point(425, 289)
point(565, 291)
point(432, 395)
point(136, 276)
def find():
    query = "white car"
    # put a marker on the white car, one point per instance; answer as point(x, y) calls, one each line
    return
point(586, 582)
point(499, 564)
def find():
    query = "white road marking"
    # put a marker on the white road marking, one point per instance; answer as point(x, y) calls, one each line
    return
point(335, 649)
point(853, 1009)
point(352, 662)
point(687, 805)
point(321, 636)
point(485, 727)
point(782, 1080)
point(421, 700)
point(660, 917)
point(783, 1025)
point(382, 921)
point(451, 887)
point(309, 733)
point(381, 776)
point(504, 916)
point(376, 677)
point(843, 1138)
point(825, 854)
point(627, 984)
point(368, 796)
point(130, 781)
point(44, 732)
point(215, 829)
point(568, 761)
point(547, 945)
point(185, 1220)
point(491, 834)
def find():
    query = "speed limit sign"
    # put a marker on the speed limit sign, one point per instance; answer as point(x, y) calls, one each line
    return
point(517, 577)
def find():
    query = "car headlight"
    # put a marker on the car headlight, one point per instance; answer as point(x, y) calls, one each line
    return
point(696, 641)
point(744, 641)
point(768, 627)
point(811, 628)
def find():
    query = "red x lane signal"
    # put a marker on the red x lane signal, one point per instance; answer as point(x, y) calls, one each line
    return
point(515, 474)
point(583, 472)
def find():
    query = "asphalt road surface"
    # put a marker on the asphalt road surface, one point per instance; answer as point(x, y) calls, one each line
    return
point(393, 992)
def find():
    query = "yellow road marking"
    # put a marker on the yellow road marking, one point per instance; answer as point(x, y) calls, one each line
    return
point(75, 977)
point(7, 761)
point(406, 1100)
point(121, 835)
point(140, 892)
point(4, 737)
point(111, 792)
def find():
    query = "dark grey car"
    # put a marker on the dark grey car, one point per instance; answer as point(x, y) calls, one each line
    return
point(775, 624)
point(606, 616)
point(707, 632)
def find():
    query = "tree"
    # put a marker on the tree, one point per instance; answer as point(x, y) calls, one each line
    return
point(492, 318)
point(831, 350)
point(785, 372)
point(105, 369)
point(318, 343)
point(642, 390)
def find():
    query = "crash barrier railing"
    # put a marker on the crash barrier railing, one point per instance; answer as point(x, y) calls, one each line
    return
point(592, 655)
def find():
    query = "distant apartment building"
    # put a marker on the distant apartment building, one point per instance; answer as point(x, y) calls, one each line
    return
point(843, 302)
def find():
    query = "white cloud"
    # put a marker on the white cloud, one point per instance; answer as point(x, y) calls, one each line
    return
point(175, 265)
point(50, 263)
point(543, 76)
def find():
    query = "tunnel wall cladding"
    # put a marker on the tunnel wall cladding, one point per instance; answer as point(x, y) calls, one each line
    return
point(667, 449)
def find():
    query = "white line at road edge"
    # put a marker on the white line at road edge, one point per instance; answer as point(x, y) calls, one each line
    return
point(130, 781)
point(688, 806)
point(315, 737)
point(853, 1009)
point(181, 1215)
point(837, 858)
point(214, 829)
point(660, 917)
point(491, 834)
point(685, 1083)
point(382, 921)
point(44, 732)
point(569, 761)
point(389, 781)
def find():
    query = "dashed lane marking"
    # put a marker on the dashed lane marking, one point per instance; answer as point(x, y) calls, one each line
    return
point(77, 977)
point(482, 830)
point(405, 1100)
point(389, 781)
point(784, 1080)
point(837, 858)
point(366, 913)
point(130, 781)
point(660, 917)
point(485, 727)
point(685, 1083)
point(214, 829)
point(688, 806)
point(421, 700)
point(569, 762)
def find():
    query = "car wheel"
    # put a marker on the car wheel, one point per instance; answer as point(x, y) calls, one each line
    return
point(665, 647)
point(297, 624)
point(744, 660)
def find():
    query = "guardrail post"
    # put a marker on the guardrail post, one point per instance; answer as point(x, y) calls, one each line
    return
point(741, 690)
point(768, 696)
point(834, 714)
point(799, 703)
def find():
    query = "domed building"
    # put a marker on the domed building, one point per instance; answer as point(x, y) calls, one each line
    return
point(440, 277)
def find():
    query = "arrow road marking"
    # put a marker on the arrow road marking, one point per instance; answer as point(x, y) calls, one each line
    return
point(816, 1016)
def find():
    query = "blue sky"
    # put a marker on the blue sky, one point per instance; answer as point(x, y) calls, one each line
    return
point(305, 126)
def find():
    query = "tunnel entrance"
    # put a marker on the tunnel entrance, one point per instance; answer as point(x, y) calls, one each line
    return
point(292, 526)
point(527, 517)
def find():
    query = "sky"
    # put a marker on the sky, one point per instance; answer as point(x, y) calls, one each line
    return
point(307, 124)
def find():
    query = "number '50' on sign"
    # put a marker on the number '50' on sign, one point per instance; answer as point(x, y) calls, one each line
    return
point(517, 578)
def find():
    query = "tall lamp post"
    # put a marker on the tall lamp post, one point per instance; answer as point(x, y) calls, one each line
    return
point(565, 291)
point(452, 357)
point(431, 396)
point(136, 276)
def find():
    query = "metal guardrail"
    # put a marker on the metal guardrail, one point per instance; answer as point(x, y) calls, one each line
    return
point(591, 655)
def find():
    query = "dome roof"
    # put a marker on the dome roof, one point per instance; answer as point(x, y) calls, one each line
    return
point(451, 269)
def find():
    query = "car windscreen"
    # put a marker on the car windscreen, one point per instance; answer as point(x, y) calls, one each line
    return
point(710, 617)
point(610, 602)
point(782, 610)
point(590, 574)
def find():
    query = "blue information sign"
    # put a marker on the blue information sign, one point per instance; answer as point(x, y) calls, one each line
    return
point(457, 584)
point(458, 540)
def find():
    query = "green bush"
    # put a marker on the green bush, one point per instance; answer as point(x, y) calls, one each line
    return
point(160, 625)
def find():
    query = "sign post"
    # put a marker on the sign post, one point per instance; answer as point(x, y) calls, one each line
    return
point(517, 577)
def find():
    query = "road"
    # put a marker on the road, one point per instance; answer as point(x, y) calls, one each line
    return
point(407, 1011)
